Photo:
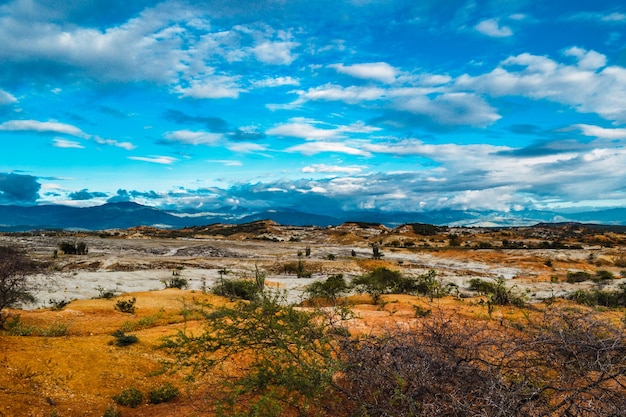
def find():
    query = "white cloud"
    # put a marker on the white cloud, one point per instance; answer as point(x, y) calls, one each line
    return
point(226, 162)
point(6, 98)
point(491, 27)
point(275, 82)
point(277, 53)
point(189, 137)
point(155, 159)
point(331, 169)
point(246, 147)
point(451, 109)
point(43, 127)
point(64, 143)
point(350, 95)
point(303, 130)
point(216, 86)
point(112, 142)
point(314, 148)
point(601, 132)
point(379, 71)
point(589, 60)
point(614, 17)
point(584, 86)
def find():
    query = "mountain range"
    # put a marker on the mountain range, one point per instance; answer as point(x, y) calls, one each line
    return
point(124, 215)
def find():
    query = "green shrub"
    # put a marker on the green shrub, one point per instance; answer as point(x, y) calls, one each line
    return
point(428, 284)
point(16, 327)
point(57, 305)
point(54, 330)
point(176, 282)
point(130, 397)
point(578, 276)
point(481, 286)
point(244, 289)
point(103, 293)
point(163, 394)
point(122, 339)
point(497, 292)
point(126, 306)
point(604, 298)
point(334, 287)
point(112, 412)
point(383, 280)
point(603, 275)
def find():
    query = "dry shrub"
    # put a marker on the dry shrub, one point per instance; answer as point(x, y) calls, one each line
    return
point(566, 364)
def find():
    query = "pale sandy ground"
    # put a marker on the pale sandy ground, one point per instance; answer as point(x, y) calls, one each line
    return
point(131, 265)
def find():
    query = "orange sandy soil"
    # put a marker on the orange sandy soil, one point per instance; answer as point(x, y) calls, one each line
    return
point(78, 374)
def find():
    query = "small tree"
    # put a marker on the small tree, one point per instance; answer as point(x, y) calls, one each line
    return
point(376, 253)
point(16, 283)
point(290, 357)
point(334, 287)
point(381, 281)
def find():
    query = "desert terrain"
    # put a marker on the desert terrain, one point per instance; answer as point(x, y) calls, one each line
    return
point(68, 365)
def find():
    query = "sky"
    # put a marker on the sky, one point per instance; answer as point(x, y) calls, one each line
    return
point(321, 106)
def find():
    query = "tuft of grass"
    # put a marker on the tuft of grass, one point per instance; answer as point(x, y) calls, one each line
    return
point(122, 339)
point(163, 393)
point(130, 397)
point(17, 327)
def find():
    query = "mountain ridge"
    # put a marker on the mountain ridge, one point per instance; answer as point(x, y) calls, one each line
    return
point(123, 215)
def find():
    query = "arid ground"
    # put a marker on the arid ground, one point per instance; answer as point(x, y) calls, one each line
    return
point(65, 364)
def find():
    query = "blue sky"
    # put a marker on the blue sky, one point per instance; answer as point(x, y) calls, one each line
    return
point(317, 105)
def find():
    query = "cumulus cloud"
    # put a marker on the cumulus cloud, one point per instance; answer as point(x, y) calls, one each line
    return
point(217, 86)
point(378, 71)
point(275, 82)
point(451, 109)
point(18, 188)
point(246, 147)
point(332, 92)
point(277, 53)
point(492, 27)
point(189, 137)
point(587, 86)
point(601, 132)
point(301, 129)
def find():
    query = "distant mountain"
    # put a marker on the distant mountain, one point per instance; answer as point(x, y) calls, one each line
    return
point(292, 218)
point(107, 216)
point(125, 215)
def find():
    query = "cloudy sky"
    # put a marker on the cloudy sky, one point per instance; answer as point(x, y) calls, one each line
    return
point(318, 105)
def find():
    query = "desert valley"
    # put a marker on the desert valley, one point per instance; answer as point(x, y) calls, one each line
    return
point(64, 355)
